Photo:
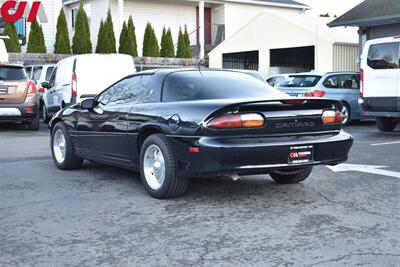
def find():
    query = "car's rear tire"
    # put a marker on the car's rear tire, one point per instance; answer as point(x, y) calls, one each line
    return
point(291, 176)
point(158, 169)
point(62, 149)
point(347, 113)
point(386, 124)
point(34, 124)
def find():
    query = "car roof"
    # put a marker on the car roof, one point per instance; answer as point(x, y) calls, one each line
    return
point(11, 65)
point(44, 65)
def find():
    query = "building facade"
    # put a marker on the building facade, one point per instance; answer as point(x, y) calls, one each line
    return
point(219, 19)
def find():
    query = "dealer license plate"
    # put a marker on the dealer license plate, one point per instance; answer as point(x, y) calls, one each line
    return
point(301, 154)
point(3, 89)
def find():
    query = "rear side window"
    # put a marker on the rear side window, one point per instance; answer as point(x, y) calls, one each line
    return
point(48, 73)
point(383, 56)
point(37, 72)
point(304, 81)
point(8, 73)
point(196, 85)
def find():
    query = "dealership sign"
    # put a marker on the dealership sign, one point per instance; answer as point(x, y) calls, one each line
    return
point(12, 11)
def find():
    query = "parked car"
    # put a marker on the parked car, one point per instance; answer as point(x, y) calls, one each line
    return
point(78, 77)
point(40, 74)
point(342, 86)
point(380, 85)
point(176, 123)
point(19, 99)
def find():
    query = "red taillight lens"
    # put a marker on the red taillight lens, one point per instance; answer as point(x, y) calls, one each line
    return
point(332, 117)
point(316, 93)
point(31, 87)
point(250, 120)
point(293, 102)
point(29, 110)
point(361, 82)
point(41, 90)
point(74, 88)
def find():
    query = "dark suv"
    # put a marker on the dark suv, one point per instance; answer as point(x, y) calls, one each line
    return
point(19, 99)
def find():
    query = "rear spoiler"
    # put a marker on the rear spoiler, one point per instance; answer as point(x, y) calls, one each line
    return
point(301, 103)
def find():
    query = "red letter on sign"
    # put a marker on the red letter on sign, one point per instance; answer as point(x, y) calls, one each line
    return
point(11, 5)
point(34, 11)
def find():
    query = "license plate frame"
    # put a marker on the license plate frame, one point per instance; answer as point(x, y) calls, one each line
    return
point(3, 90)
point(303, 154)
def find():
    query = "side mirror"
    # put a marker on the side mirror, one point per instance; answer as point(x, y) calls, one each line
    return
point(88, 104)
point(45, 85)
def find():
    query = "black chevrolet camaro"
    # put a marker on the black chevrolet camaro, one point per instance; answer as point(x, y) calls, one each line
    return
point(177, 123)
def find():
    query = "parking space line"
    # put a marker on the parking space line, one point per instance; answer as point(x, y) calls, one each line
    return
point(387, 143)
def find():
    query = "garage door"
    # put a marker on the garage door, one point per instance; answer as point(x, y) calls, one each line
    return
point(243, 60)
point(292, 60)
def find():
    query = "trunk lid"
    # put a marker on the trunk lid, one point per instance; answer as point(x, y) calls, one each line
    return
point(282, 117)
point(296, 91)
point(13, 84)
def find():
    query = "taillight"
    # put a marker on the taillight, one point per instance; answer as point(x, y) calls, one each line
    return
point(31, 87)
point(41, 90)
point(361, 82)
point(332, 117)
point(293, 101)
point(250, 120)
point(316, 93)
point(74, 88)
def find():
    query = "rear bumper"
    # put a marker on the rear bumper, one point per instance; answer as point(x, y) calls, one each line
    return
point(255, 155)
point(18, 112)
point(383, 114)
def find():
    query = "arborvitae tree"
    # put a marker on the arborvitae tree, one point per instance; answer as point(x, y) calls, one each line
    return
point(188, 50)
point(167, 44)
point(110, 36)
point(180, 51)
point(81, 43)
point(36, 39)
point(100, 38)
point(123, 38)
point(12, 43)
point(150, 43)
point(62, 45)
point(132, 36)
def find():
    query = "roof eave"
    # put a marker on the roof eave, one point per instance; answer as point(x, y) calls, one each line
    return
point(376, 21)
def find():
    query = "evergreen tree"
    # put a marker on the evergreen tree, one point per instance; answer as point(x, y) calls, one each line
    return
point(109, 35)
point(12, 43)
point(132, 36)
point(167, 44)
point(150, 43)
point(81, 43)
point(180, 51)
point(62, 45)
point(36, 39)
point(123, 40)
point(100, 38)
point(188, 50)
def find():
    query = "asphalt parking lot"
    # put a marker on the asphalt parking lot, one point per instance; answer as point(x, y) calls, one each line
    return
point(102, 216)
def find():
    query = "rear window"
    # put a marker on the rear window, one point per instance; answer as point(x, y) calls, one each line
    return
point(303, 81)
point(196, 85)
point(8, 73)
point(383, 56)
point(48, 73)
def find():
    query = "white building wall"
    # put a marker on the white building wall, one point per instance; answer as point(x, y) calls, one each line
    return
point(238, 15)
point(275, 33)
point(345, 57)
point(99, 9)
point(52, 9)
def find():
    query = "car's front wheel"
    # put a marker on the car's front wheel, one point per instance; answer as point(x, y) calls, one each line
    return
point(63, 150)
point(291, 176)
point(386, 124)
point(158, 169)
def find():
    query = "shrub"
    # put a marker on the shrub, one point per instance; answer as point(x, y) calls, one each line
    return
point(132, 37)
point(150, 43)
point(167, 44)
point(36, 39)
point(62, 44)
point(12, 43)
point(81, 43)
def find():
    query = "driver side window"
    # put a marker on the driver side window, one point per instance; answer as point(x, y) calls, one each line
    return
point(53, 78)
point(129, 90)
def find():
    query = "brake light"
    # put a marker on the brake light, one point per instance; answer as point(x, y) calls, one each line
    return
point(332, 117)
point(293, 102)
point(31, 87)
point(316, 93)
point(41, 90)
point(361, 83)
point(74, 88)
point(250, 120)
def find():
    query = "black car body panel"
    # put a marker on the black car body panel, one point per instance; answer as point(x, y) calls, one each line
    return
point(115, 134)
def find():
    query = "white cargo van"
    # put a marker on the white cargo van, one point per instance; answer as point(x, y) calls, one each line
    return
point(380, 82)
point(84, 76)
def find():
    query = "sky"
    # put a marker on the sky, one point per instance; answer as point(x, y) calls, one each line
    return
point(333, 7)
